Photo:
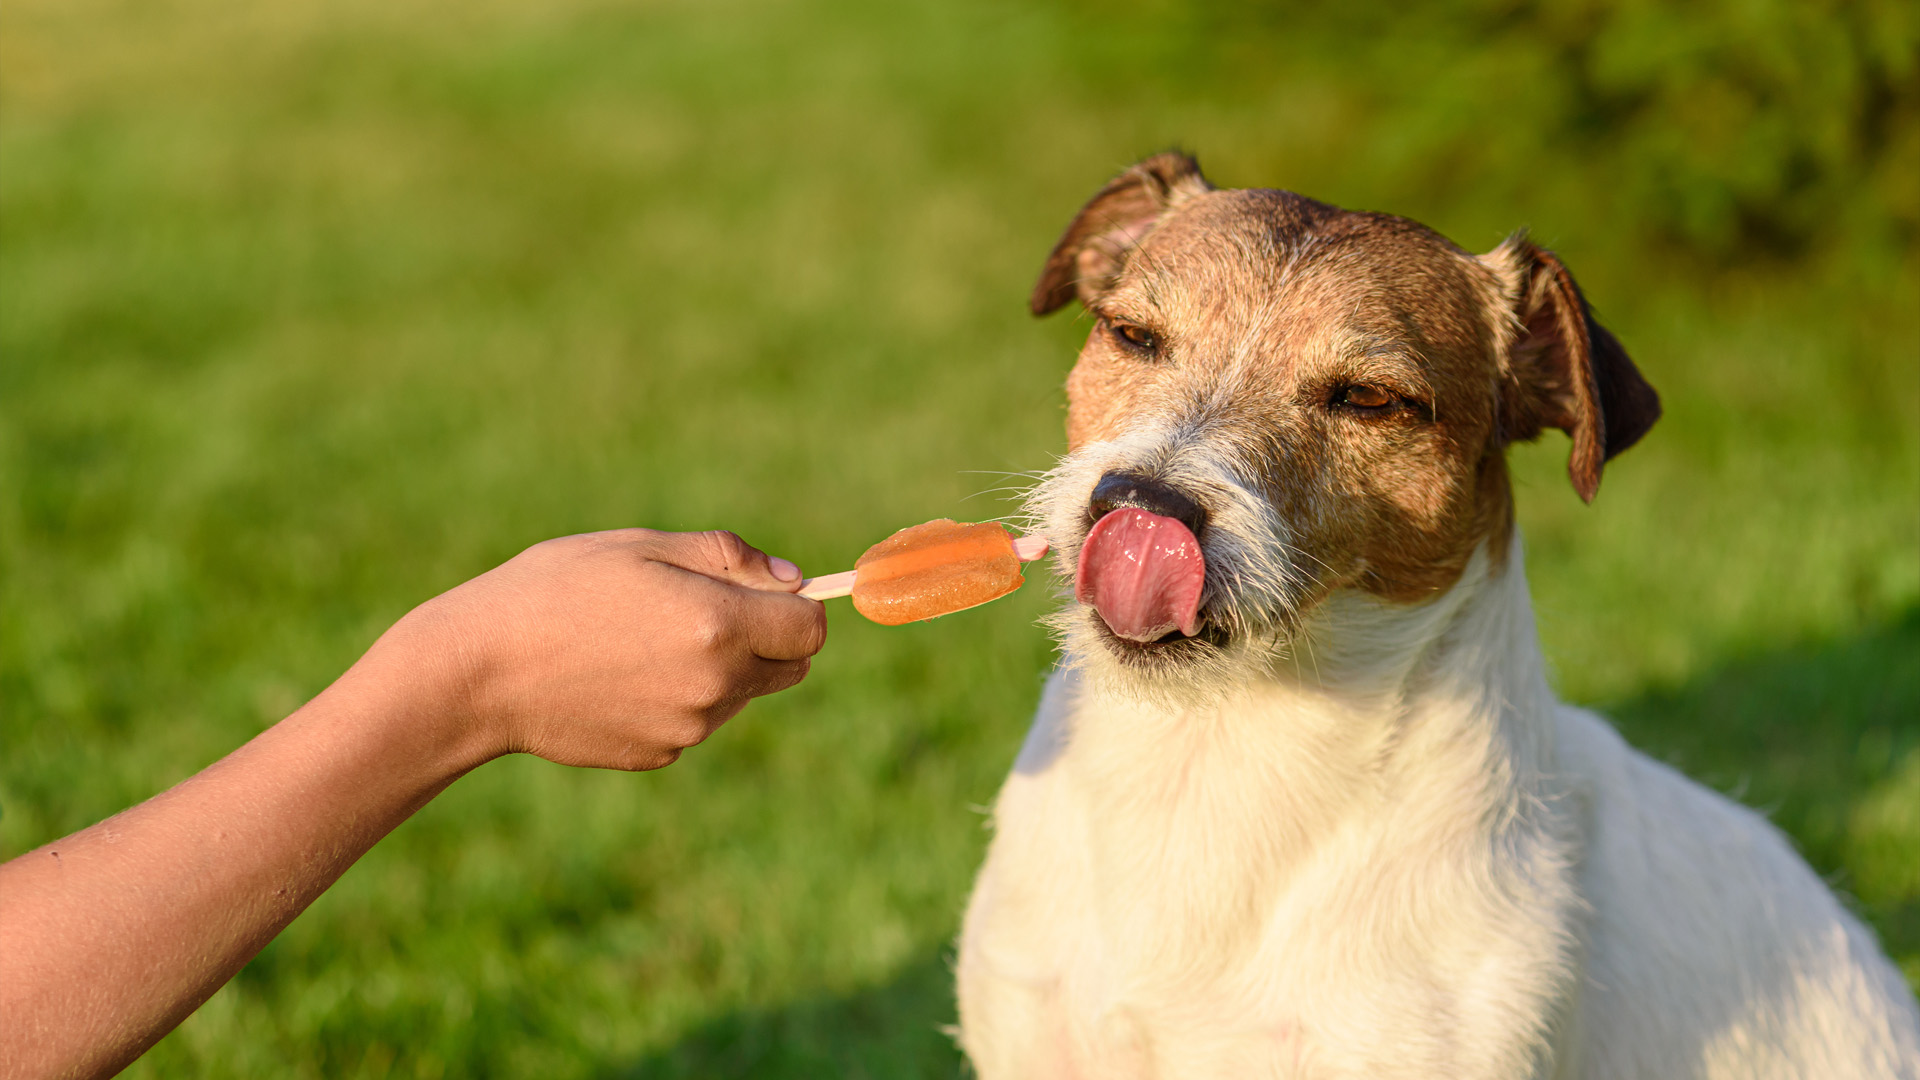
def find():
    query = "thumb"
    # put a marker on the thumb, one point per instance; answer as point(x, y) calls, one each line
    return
point(723, 556)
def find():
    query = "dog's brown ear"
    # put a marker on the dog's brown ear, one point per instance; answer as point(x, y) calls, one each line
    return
point(1092, 251)
point(1564, 369)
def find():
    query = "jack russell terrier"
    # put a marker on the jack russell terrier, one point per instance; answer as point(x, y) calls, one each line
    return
point(1299, 801)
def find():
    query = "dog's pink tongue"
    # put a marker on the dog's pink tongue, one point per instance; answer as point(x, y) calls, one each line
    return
point(1143, 573)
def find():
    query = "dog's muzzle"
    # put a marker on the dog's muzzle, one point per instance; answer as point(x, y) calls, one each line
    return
point(1118, 490)
point(1141, 566)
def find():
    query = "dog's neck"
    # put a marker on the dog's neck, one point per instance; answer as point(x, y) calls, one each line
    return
point(1390, 724)
point(1468, 657)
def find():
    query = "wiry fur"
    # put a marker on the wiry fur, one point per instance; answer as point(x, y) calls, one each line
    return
point(1251, 585)
point(1348, 830)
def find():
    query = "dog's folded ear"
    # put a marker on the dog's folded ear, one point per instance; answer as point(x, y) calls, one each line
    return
point(1095, 247)
point(1565, 370)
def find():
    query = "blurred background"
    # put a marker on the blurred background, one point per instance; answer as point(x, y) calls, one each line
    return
point(311, 310)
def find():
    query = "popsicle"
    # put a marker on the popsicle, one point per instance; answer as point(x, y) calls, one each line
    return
point(930, 570)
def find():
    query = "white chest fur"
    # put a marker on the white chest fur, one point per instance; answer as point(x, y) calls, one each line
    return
point(1374, 863)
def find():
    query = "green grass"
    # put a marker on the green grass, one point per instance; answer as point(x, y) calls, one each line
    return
point(310, 311)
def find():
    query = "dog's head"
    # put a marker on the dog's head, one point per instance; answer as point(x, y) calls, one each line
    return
point(1280, 399)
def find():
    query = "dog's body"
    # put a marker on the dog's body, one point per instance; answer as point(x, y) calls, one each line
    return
point(1337, 824)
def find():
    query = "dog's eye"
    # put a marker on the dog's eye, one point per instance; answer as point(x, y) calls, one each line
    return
point(1137, 338)
point(1363, 398)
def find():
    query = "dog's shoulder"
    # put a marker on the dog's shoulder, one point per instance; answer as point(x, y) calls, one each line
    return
point(1699, 907)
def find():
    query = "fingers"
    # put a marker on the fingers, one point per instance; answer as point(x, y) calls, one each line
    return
point(773, 624)
point(751, 642)
point(620, 649)
point(723, 556)
point(754, 678)
point(776, 626)
point(773, 676)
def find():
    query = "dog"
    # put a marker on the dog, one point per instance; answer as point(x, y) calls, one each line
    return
point(1298, 801)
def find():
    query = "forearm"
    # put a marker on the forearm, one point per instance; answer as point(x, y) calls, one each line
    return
point(111, 936)
point(611, 650)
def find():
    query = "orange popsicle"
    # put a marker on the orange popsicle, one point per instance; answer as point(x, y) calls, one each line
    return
point(930, 570)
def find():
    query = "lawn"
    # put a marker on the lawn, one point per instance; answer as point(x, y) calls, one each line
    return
point(309, 311)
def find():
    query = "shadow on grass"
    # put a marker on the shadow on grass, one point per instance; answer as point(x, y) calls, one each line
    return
point(1805, 734)
point(875, 1034)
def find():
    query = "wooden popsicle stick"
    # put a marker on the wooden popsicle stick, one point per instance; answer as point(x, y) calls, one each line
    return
point(1029, 548)
point(828, 586)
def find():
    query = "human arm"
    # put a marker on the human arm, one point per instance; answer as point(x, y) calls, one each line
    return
point(613, 650)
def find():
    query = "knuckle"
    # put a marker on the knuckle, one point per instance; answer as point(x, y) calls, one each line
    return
point(719, 714)
point(642, 756)
point(689, 728)
point(638, 545)
point(711, 631)
point(558, 547)
point(711, 694)
point(642, 543)
point(727, 549)
point(711, 621)
point(657, 575)
point(590, 542)
point(793, 673)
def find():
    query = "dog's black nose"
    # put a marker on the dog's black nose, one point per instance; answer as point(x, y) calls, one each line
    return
point(1117, 490)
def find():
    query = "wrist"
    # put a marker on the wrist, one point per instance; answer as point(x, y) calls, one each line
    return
point(422, 685)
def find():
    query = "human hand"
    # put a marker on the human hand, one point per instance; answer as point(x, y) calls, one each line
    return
point(612, 650)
